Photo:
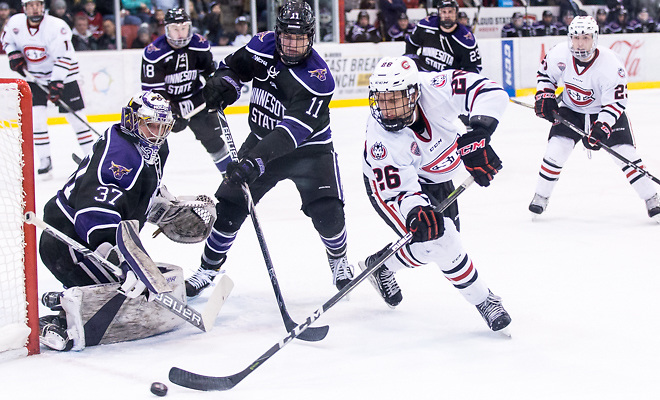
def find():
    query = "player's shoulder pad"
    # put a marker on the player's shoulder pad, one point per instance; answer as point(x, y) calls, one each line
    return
point(430, 22)
point(199, 43)
point(315, 75)
point(262, 44)
point(16, 22)
point(612, 62)
point(121, 162)
point(464, 36)
point(157, 49)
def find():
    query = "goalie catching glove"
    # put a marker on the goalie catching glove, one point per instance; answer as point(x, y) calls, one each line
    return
point(186, 219)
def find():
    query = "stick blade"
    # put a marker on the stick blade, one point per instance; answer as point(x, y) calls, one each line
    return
point(191, 380)
point(314, 334)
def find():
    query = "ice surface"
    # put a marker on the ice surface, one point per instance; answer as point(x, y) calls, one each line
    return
point(581, 284)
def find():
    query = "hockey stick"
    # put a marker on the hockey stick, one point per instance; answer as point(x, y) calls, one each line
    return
point(601, 144)
point(203, 321)
point(313, 334)
point(201, 382)
point(475, 21)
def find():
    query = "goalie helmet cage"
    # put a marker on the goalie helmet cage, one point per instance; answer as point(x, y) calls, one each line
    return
point(19, 315)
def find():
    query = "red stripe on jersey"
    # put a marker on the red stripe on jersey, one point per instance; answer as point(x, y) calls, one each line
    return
point(615, 109)
point(394, 216)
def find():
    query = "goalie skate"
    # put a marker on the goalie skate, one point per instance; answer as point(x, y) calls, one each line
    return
point(53, 333)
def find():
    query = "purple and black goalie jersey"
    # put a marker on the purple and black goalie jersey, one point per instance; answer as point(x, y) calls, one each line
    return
point(175, 73)
point(435, 50)
point(289, 101)
point(110, 185)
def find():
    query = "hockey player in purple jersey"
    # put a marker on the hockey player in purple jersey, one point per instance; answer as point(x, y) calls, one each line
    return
point(290, 139)
point(439, 42)
point(173, 66)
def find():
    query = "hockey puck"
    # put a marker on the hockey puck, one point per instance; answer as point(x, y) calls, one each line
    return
point(159, 389)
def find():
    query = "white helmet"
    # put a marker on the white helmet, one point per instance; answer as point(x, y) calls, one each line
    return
point(397, 75)
point(583, 25)
point(152, 111)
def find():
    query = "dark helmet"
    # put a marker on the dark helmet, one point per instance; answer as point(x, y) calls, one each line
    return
point(177, 16)
point(447, 23)
point(445, 3)
point(547, 13)
point(363, 13)
point(296, 18)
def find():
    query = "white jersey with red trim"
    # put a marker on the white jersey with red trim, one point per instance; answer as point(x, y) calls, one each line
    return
point(397, 163)
point(47, 49)
point(599, 87)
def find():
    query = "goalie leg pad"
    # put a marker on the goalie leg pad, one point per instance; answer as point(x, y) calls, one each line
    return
point(128, 242)
point(98, 314)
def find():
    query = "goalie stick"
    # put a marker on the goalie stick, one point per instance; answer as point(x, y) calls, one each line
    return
point(203, 321)
point(605, 147)
point(192, 380)
point(313, 334)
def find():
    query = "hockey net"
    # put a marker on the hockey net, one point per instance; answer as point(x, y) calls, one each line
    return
point(19, 319)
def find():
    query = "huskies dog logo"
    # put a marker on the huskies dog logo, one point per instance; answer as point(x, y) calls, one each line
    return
point(439, 81)
point(580, 97)
point(378, 151)
point(119, 171)
point(319, 74)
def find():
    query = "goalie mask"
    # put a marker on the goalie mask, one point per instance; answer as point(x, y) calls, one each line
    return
point(178, 28)
point(393, 92)
point(148, 119)
point(294, 32)
point(583, 37)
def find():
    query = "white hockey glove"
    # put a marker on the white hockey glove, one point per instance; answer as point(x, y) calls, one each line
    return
point(186, 219)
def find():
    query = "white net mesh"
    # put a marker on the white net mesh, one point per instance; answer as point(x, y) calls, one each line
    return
point(13, 306)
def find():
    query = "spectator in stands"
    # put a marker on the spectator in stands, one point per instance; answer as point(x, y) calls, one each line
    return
point(5, 13)
point(362, 30)
point(601, 19)
point(94, 18)
point(82, 38)
point(157, 19)
point(212, 26)
point(463, 19)
point(58, 8)
point(325, 25)
point(565, 22)
point(643, 23)
point(568, 6)
point(164, 4)
point(143, 37)
point(620, 24)
point(651, 7)
point(108, 40)
point(518, 27)
point(389, 13)
point(241, 35)
point(403, 28)
point(136, 8)
point(546, 26)
point(367, 5)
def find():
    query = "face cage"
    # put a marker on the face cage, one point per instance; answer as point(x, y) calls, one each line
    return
point(407, 109)
point(583, 55)
point(148, 148)
point(301, 55)
point(179, 43)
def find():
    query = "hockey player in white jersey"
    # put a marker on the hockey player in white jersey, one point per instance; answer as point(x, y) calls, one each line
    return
point(412, 152)
point(41, 44)
point(595, 96)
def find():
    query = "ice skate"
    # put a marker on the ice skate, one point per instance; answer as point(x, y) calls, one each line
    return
point(342, 271)
point(53, 333)
point(45, 168)
point(538, 204)
point(383, 281)
point(52, 300)
point(202, 278)
point(494, 314)
point(653, 207)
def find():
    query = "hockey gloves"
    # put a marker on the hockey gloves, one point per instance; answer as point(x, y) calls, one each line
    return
point(17, 62)
point(600, 132)
point(425, 224)
point(222, 90)
point(246, 170)
point(55, 89)
point(546, 104)
point(479, 158)
point(180, 124)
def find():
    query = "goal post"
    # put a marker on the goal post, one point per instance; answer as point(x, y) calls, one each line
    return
point(19, 313)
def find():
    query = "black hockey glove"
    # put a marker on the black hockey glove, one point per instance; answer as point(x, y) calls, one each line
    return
point(221, 90)
point(479, 158)
point(180, 124)
point(600, 132)
point(246, 170)
point(17, 62)
point(55, 89)
point(546, 103)
point(425, 224)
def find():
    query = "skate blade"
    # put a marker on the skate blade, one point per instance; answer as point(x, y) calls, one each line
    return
point(505, 332)
point(45, 177)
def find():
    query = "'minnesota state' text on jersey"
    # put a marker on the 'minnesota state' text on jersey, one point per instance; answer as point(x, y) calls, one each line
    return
point(439, 50)
point(175, 73)
point(47, 49)
point(288, 101)
point(598, 87)
point(397, 163)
